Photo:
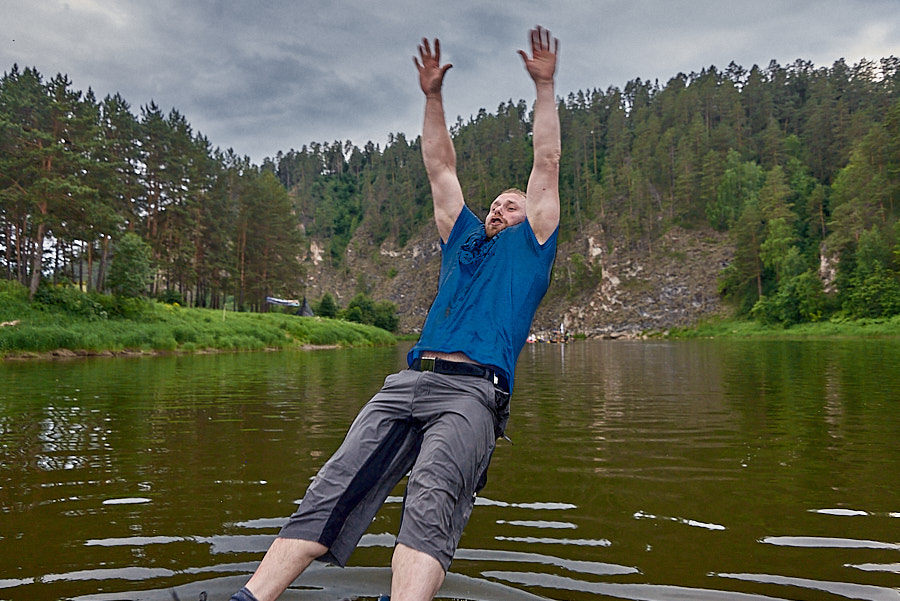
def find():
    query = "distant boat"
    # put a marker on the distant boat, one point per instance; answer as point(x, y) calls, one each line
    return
point(283, 301)
point(559, 338)
point(303, 308)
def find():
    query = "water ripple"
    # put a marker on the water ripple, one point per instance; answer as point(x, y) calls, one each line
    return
point(127, 501)
point(14, 582)
point(262, 523)
point(844, 589)
point(633, 592)
point(824, 542)
point(129, 573)
point(136, 541)
point(579, 542)
point(640, 515)
point(875, 567)
point(539, 524)
point(585, 567)
point(539, 505)
point(844, 512)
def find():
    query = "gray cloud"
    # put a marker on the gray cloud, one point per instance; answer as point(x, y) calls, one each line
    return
point(270, 76)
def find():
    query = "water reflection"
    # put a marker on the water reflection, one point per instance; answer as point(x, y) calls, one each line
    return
point(639, 470)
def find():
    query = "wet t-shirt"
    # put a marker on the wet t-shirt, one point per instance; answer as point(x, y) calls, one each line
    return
point(488, 292)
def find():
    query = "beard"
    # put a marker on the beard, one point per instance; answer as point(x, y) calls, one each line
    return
point(494, 226)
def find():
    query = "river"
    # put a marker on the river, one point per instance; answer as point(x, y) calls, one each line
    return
point(646, 470)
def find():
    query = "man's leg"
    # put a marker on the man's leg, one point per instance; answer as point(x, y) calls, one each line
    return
point(347, 492)
point(457, 443)
point(417, 576)
point(283, 563)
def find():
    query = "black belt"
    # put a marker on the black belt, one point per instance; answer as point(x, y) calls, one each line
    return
point(460, 368)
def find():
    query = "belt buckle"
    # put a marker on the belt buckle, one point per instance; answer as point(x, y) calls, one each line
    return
point(426, 364)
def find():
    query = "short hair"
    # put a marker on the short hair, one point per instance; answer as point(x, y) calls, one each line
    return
point(514, 191)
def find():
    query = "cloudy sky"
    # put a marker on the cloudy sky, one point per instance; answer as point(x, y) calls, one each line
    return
point(264, 76)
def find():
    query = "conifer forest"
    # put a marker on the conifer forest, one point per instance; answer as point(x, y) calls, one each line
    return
point(799, 164)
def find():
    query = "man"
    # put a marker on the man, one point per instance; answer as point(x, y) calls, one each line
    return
point(439, 419)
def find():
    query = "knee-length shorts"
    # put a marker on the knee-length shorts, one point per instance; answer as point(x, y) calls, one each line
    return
point(441, 429)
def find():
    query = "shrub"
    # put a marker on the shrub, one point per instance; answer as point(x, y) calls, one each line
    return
point(363, 309)
point(170, 297)
point(163, 341)
point(798, 299)
point(13, 300)
point(386, 316)
point(327, 307)
point(123, 307)
point(184, 334)
point(131, 267)
point(68, 299)
point(872, 294)
point(12, 289)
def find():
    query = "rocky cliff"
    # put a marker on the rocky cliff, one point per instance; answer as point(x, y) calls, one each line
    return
point(627, 290)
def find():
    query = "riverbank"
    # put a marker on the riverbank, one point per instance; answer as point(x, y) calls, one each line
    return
point(80, 325)
point(831, 329)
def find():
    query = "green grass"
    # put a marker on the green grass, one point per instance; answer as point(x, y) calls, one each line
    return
point(834, 328)
point(67, 319)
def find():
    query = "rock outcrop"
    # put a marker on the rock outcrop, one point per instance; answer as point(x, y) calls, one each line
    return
point(632, 289)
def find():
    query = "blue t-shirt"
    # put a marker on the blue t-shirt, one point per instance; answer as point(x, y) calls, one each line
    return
point(488, 292)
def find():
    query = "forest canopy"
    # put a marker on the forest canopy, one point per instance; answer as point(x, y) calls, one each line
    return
point(800, 164)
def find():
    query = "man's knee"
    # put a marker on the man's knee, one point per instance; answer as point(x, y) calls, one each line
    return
point(416, 575)
point(406, 556)
point(308, 550)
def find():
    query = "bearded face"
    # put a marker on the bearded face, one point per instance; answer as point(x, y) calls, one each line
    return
point(506, 210)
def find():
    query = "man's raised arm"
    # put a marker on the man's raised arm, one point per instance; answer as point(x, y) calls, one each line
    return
point(437, 147)
point(542, 205)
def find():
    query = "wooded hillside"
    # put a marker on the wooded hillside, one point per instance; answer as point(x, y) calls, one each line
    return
point(793, 172)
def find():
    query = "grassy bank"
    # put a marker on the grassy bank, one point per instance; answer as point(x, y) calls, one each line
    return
point(835, 328)
point(66, 320)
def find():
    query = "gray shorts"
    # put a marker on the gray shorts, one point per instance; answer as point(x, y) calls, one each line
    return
point(439, 428)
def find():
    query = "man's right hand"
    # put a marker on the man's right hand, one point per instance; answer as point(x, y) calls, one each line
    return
point(438, 153)
point(431, 73)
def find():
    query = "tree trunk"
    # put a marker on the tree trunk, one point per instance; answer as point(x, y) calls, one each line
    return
point(104, 257)
point(56, 251)
point(242, 242)
point(759, 287)
point(80, 264)
point(37, 261)
point(72, 274)
point(21, 269)
point(90, 266)
point(8, 251)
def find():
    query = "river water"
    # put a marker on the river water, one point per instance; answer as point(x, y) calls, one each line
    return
point(653, 470)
